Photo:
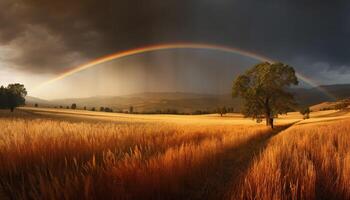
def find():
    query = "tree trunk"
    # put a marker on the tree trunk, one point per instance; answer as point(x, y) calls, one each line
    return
point(268, 118)
point(12, 108)
point(271, 122)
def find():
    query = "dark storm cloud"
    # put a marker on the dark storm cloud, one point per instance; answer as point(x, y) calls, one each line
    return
point(52, 35)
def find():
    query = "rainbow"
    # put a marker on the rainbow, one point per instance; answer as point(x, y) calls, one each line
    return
point(159, 47)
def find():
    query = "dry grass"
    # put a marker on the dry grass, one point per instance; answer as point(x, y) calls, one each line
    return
point(210, 119)
point(78, 155)
point(307, 161)
point(54, 159)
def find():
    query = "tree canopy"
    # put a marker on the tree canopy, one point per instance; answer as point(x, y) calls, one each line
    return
point(222, 110)
point(305, 112)
point(12, 96)
point(73, 106)
point(263, 88)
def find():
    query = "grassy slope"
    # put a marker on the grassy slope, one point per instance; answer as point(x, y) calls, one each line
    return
point(60, 158)
point(311, 160)
point(213, 154)
point(121, 117)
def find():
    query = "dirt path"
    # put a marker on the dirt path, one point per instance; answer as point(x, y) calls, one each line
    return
point(235, 165)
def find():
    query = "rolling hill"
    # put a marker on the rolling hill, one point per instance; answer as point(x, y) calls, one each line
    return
point(312, 96)
point(330, 105)
point(189, 102)
point(147, 102)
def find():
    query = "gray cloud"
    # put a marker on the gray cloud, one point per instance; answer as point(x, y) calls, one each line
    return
point(51, 36)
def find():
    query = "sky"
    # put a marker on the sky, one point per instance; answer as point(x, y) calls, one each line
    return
point(40, 39)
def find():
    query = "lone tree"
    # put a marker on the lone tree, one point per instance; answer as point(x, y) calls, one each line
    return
point(131, 109)
point(305, 112)
point(106, 109)
point(12, 96)
point(222, 111)
point(73, 106)
point(263, 89)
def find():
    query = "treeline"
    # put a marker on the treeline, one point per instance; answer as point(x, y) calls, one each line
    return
point(219, 110)
point(342, 105)
point(12, 96)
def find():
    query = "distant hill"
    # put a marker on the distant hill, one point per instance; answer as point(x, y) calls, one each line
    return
point(329, 105)
point(189, 102)
point(340, 91)
point(30, 101)
point(316, 95)
point(149, 102)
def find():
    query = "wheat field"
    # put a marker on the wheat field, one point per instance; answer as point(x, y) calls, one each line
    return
point(307, 161)
point(61, 156)
point(50, 159)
